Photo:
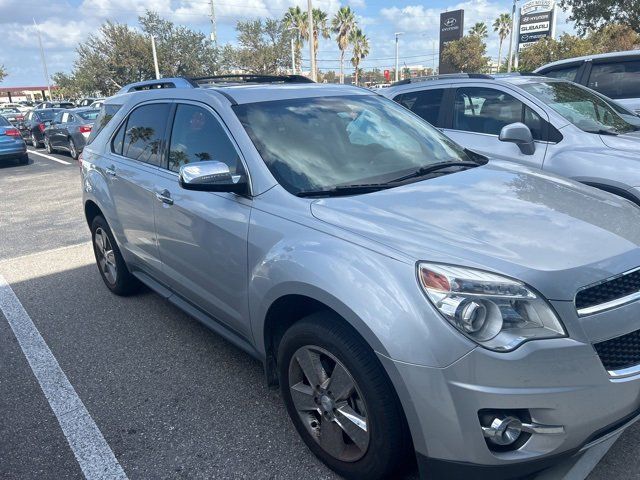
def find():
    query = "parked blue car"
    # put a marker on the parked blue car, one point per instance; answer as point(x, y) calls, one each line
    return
point(12, 145)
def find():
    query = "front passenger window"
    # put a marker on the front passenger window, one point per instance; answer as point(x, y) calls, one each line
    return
point(485, 110)
point(198, 136)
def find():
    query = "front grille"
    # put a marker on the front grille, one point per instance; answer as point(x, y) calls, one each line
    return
point(620, 352)
point(609, 290)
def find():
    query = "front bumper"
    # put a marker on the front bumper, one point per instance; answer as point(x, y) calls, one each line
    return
point(559, 381)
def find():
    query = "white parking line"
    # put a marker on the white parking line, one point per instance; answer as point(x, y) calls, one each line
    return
point(64, 162)
point(91, 450)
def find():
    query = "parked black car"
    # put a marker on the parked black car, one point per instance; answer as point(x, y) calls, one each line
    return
point(35, 122)
point(69, 130)
point(49, 104)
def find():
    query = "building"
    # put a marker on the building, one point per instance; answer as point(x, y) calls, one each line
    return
point(16, 94)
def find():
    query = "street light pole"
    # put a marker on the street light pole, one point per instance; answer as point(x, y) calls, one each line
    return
point(513, 27)
point(312, 52)
point(397, 34)
point(293, 56)
point(44, 61)
point(155, 57)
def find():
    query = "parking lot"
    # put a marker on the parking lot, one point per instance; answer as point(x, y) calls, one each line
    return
point(170, 398)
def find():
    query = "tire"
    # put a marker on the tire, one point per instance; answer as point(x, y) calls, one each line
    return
point(24, 160)
point(73, 151)
point(112, 267)
point(34, 141)
point(387, 449)
point(47, 145)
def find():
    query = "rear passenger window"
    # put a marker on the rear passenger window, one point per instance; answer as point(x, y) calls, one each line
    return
point(425, 104)
point(616, 80)
point(144, 133)
point(198, 136)
point(567, 73)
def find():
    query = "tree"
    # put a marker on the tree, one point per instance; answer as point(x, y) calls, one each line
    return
point(360, 44)
point(264, 47)
point(319, 28)
point(593, 14)
point(479, 30)
point(296, 20)
point(467, 54)
point(181, 51)
point(343, 22)
point(615, 38)
point(502, 25)
point(3, 73)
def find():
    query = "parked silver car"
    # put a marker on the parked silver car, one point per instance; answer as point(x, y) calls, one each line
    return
point(615, 74)
point(406, 294)
point(550, 124)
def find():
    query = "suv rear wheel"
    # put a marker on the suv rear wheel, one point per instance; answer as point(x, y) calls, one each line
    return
point(340, 399)
point(111, 265)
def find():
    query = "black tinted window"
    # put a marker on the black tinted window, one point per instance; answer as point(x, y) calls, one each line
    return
point(616, 80)
point(144, 133)
point(484, 110)
point(107, 111)
point(426, 104)
point(197, 136)
point(118, 139)
point(567, 73)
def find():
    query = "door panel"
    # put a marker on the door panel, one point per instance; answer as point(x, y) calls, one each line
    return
point(202, 236)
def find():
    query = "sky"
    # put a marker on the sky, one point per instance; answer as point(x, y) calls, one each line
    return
point(66, 23)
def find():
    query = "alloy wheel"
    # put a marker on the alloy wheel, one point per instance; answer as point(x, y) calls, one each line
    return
point(329, 403)
point(34, 141)
point(105, 255)
point(47, 145)
point(72, 149)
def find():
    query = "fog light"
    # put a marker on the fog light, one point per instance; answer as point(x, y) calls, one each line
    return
point(503, 430)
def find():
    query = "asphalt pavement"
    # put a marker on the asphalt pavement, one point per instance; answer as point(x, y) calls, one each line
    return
point(170, 398)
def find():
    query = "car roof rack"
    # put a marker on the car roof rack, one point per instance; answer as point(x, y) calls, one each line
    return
point(444, 76)
point(196, 82)
point(251, 78)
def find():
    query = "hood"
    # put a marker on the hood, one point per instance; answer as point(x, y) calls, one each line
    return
point(627, 141)
point(507, 219)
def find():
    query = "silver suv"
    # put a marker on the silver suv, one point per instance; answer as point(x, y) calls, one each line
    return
point(406, 294)
point(545, 123)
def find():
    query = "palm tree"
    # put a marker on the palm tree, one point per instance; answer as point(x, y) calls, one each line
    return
point(295, 19)
point(502, 25)
point(479, 30)
point(343, 22)
point(319, 27)
point(360, 44)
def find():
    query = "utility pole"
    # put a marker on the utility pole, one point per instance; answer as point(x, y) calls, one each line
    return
point(397, 34)
point(44, 62)
point(513, 27)
point(312, 52)
point(293, 56)
point(214, 37)
point(155, 57)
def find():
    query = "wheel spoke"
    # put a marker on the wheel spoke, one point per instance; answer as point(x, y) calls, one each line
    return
point(341, 384)
point(109, 256)
point(302, 396)
point(331, 438)
point(311, 367)
point(354, 425)
point(99, 242)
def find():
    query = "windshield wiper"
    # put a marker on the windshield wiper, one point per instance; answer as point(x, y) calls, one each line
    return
point(603, 131)
point(345, 190)
point(427, 169)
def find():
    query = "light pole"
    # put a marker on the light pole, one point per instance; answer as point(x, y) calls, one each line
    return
point(397, 34)
point(513, 27)
point(293, 49)
point(155, 57)
point(312, 52)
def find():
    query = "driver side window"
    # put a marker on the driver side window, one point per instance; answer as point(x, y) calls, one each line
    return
point(198, 136)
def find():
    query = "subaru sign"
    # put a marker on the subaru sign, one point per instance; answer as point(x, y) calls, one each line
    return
point(537, 20)
point(451, 28)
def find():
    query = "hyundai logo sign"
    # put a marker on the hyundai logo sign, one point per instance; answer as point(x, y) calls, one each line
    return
point(450, 22)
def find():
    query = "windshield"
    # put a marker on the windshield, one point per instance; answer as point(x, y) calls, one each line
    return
point(322, 142)
point(47, 114)
point(89, 114)
point(584, 109)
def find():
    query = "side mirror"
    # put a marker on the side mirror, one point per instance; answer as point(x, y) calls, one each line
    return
point(211, 176)
point(519, 134)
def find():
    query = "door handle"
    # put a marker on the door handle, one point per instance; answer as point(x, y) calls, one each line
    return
point(165, 197)
point(110, 171)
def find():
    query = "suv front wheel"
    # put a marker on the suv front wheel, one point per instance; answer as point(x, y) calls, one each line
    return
point(340, 399)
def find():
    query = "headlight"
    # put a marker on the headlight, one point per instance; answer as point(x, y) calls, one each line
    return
point(494, 311)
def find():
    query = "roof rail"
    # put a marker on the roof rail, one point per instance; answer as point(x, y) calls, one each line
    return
point(444, 76)
point(518, 74)
point(251, 78)
point(177, 82)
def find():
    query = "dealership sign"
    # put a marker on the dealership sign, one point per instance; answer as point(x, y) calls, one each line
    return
point(451, 28)
point(537, 20)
